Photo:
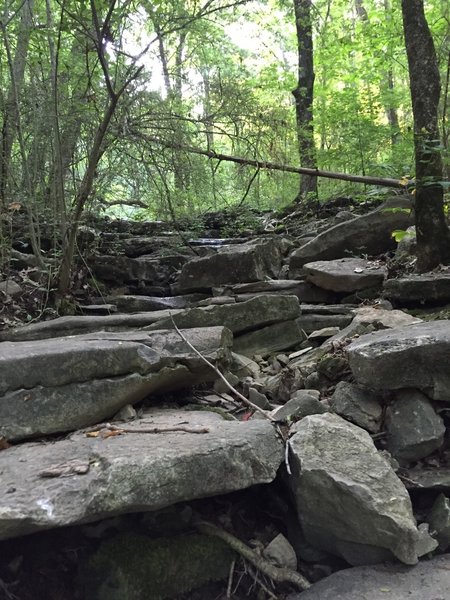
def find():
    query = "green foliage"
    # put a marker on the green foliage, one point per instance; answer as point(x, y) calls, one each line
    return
point(219, 79)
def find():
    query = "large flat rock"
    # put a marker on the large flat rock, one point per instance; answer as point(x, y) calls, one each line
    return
point(413, 289)
point(62, 384)
point(345, 274)
point(132, 472)
point(349, 500)
point(416, 356)
point(429, 580)
point(238, 317)
point(369, 234)
point(83, 324)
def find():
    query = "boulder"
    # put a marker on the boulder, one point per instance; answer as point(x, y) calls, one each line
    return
point(361, 407)
point(415, 356)
point(428, 580)
point(413, 428)
point(270, 339)
point(430, 288)
point(253, 261)
point(349, 500)
point(84, 479)
point(302, 404)
point(120, 269)
point(369, 234)
point(238, 317)
point(62, 384)
point(345, 274)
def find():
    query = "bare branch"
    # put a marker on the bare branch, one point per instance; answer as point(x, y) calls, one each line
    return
point(277, 574)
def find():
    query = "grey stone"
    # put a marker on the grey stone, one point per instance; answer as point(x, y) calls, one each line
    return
point(439, 521)
point(413, 289)
point(270, 339)
point(301, 404)
point(429, 580)
point(428, 478)
point(253, 261)
point(258, 398)
point(50, 386)
point(333, 367)
point(126, 413)
point(305, 291)
point(349, 500)
point(369, 234)
point(281, 553)
point(67, 326)
point(242, 366)
point(345, 274)
point(98, 309)
point(83, 479)
point(133, 304)
point(220, 386)
point(239, 318)
point(361, 407)
point(415, 356)
point(10, 288)
point(413, 428)
point(119, 269)
point(427, 543)
point(314, 321)
point(324, 333)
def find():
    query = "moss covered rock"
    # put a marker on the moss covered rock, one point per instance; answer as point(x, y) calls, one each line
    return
point(135, 567)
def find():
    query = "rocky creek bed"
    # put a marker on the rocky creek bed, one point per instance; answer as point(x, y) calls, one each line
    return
point(267, 418)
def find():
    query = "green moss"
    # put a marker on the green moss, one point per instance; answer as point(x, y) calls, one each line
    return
point(135, 567)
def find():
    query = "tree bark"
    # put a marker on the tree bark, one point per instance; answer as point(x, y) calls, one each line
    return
point(433, 235)
point(303, 95)
point(10, 117)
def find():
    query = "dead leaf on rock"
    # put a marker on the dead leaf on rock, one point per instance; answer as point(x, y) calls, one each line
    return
point(4, 444)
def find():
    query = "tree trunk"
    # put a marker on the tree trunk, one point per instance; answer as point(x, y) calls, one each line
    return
point(10, 117)
point(303, 95)
point(433, 235)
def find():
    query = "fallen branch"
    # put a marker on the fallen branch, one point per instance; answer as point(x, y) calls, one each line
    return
point(281, 575)
point(219, 374)
point(259, 164)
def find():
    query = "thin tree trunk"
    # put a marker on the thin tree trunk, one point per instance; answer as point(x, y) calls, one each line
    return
point(11, 113)
point(303, 95)
point(433, 235)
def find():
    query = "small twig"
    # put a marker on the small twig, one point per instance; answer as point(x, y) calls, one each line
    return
point(219, 374)
point(275, 573)
point(230, 579)
point(120, 430)
point(254, 574)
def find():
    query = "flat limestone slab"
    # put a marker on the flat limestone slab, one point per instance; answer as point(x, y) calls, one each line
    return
point(63, 384)
point(239, 317)
point(132, 472)
point(427, 287)
point(345, 274)
point(415, 356)
point(429, 580)
point(83, 324)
